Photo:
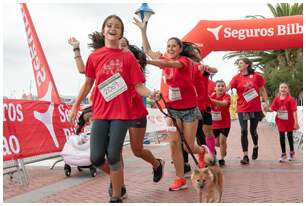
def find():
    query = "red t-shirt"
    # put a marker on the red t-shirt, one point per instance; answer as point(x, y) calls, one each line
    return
point(204, 87)
point(211, 86)
point(199, 82)
point(284, 108)
point(103, 64)
point(181, 93)
point(248, 91)
point(138, 107)
point(221, 115)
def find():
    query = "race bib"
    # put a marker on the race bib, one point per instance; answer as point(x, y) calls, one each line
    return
point(282, 114)
point(249, 95)
point(174, 94)
point(112, 87)
point(216, 116)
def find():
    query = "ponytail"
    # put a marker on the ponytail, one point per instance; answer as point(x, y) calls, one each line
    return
point(97, 40)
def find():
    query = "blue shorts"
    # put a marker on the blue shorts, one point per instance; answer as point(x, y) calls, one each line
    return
point(188, 115)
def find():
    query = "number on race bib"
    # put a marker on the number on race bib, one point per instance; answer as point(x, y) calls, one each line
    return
point(112, 87)
point(174, 94)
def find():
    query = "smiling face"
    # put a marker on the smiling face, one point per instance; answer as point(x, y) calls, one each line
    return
point(112, 29)
point(283, 89)
point(242, 66)
point(220, 88)
point(174, 48)
point(123, 44)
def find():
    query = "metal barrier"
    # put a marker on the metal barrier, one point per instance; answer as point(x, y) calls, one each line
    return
point(18, 166)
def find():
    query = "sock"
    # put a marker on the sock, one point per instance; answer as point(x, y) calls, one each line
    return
point(210, 142)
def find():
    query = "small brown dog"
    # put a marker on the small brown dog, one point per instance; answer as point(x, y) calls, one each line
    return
point(208, 181)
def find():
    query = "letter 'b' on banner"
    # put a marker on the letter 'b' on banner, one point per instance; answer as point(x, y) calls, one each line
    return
point(252, 34)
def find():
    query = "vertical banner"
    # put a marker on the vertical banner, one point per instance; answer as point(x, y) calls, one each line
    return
point(33, 128)
point(46, 89)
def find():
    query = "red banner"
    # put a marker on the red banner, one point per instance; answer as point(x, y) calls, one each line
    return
point(33, 128)
point(46, 89)
point(252, 34)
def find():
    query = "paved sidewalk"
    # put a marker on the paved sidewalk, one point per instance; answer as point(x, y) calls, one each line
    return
point(264, 180)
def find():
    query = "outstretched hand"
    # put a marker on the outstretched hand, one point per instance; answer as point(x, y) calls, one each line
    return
point(74, 42)
point(141, 25)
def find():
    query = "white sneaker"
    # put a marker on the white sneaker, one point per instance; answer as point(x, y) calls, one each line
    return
point(283, 157)
point(291, 156)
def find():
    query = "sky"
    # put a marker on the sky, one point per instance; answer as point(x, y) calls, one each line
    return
point(56, 22)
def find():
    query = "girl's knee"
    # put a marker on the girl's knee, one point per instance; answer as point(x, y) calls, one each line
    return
point(244, 133)
point(137, 152)
point(222, 141)
point(217, 142)
point(114, 162)
point(97, 161)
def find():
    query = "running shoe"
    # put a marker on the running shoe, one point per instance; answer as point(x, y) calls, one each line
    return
point(291, 156)
point(245, 160)
point(178, 184)
point(283, 157)
point(159, 171)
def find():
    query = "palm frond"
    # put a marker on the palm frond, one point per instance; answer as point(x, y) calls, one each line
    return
point(255, 16)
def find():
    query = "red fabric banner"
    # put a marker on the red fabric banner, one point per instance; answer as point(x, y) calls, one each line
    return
point(46, 89)
point(251, 34)
point(33, 128)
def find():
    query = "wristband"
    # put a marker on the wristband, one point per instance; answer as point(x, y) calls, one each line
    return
point(76, 49)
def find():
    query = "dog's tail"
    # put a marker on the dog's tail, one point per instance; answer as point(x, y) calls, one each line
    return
point(209, 159)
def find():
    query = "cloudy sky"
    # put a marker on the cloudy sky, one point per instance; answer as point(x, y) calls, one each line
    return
point(56, 22)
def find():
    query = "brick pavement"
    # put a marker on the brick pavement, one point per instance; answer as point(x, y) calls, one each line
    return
point(264, 180)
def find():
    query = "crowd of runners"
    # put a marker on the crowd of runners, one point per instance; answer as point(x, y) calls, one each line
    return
point(115, 76)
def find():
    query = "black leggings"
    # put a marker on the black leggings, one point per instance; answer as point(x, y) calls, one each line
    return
point(283, 142)
point(200, 140)
point(107, 137)
point(244, 129)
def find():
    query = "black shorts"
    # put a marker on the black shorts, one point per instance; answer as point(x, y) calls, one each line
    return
point(206, 115)
point(139, 123)
point(223, 131)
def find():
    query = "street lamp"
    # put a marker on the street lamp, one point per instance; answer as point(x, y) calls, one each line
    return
point(144, 12)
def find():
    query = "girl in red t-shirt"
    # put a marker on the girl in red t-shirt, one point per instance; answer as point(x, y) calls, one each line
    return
point(249, 85)
point(286, 119)
point(181, 99)
point(138, 110)
point(221, 117)
point(115, 73)
point(204, 87)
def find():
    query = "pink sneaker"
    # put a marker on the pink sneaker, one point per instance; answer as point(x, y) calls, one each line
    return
point(178, 184)
point(210, 142)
